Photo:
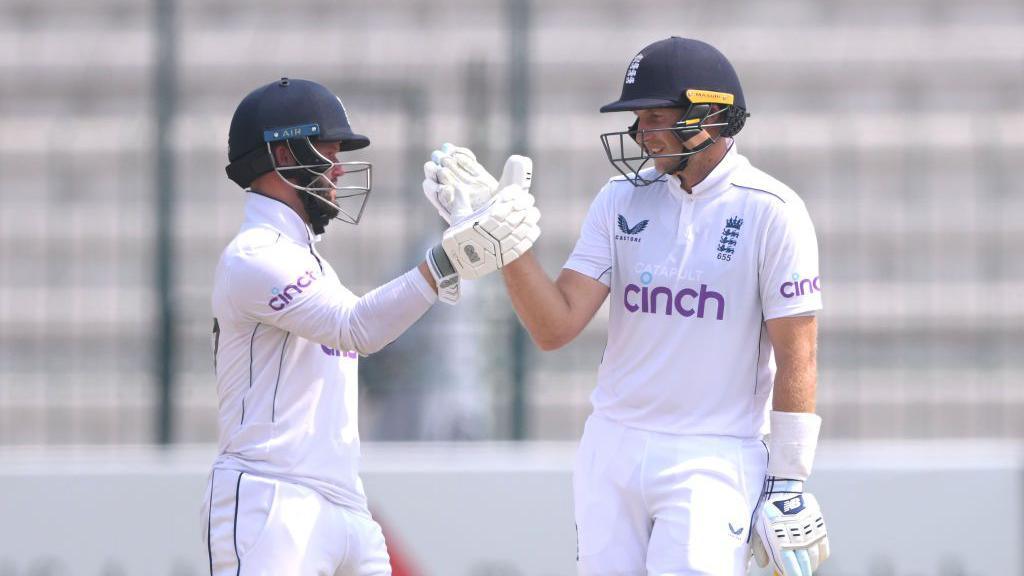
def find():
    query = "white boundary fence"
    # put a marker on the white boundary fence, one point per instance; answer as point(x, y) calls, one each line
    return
point(894, 509)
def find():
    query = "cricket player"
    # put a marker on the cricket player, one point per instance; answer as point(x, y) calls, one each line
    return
point(284, 495)
point(712, 269)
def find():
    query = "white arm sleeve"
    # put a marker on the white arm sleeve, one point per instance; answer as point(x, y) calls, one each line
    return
point(382, 315)
point(790, 283)
point(283, 286)
point(592, 255)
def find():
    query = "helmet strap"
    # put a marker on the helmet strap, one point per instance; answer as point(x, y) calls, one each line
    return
point(696, 144)
point(680, 166)
point(250, 166)
point(699, 141)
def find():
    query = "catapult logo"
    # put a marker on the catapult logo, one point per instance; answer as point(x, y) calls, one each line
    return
point(648, 300)
point(630, 234)
point(800, 287)
point(284, 296)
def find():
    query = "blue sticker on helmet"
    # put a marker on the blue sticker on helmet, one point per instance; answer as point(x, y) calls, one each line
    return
point(304, 130)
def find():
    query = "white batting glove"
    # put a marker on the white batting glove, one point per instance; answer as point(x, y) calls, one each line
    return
point(457, 185)
point(493, 236)
point(789, 532)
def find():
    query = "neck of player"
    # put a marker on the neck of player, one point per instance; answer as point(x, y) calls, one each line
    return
point(702, 163)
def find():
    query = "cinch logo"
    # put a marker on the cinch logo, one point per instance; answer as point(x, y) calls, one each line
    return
point(800, 287)
point(681, 301)
point(630, 233)
point(283, 297)
point(340, 353)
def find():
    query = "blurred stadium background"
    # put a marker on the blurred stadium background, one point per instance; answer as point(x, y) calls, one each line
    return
point(901, 124)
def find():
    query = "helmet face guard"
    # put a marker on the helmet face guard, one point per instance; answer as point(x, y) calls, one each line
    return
point(309, 176)
point(628, 153)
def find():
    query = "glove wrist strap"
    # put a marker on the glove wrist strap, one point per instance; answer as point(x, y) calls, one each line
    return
point(774, 485)
point(444, 273)
point(439, 263)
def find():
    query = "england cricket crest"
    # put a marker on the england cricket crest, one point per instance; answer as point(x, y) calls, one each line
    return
point(730, 236)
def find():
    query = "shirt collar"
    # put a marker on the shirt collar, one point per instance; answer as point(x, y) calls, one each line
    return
point(261, 210)
point(720, 176)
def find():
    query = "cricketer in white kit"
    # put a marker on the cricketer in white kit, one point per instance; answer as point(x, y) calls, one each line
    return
point(284, 495)
point(712, 270)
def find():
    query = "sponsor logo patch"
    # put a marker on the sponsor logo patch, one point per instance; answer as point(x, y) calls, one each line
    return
point(630, 234)
point(283, 297)
point(687, 302)
point(792, 506)
point(800, 286)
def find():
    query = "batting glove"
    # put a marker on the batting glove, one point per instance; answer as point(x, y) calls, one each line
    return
point(790, 533)
point(491, 237)
point(457, 185)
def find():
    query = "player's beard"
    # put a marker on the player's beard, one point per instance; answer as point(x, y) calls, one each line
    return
point(318, 204)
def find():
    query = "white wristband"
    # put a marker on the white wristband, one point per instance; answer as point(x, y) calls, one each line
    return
point(791, 444)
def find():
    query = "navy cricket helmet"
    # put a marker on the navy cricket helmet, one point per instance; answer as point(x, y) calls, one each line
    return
point(297, 113)
point(676, 73)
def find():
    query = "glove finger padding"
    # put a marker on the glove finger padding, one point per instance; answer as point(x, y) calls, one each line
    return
point(473, 187)
point(449, 149)
point(430, 170)
point(464, 185)
point(452, 199)
point(789, 526)
point(463, 165)
point(468, 170)
point(760, 555)
point(803, 559)
point(518, 171)
point(439, 195)
point(494, 236)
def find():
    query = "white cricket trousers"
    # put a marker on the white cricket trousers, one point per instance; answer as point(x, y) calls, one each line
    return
point(255, 526)
point(653, 504)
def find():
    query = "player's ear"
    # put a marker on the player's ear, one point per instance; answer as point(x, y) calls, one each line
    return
point(282, 155)
point(715, 131)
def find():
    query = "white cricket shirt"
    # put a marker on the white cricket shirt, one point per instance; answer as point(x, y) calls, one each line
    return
point(286, 337)
point(693, 277)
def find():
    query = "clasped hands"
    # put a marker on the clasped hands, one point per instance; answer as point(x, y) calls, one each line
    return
point(491, 222)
